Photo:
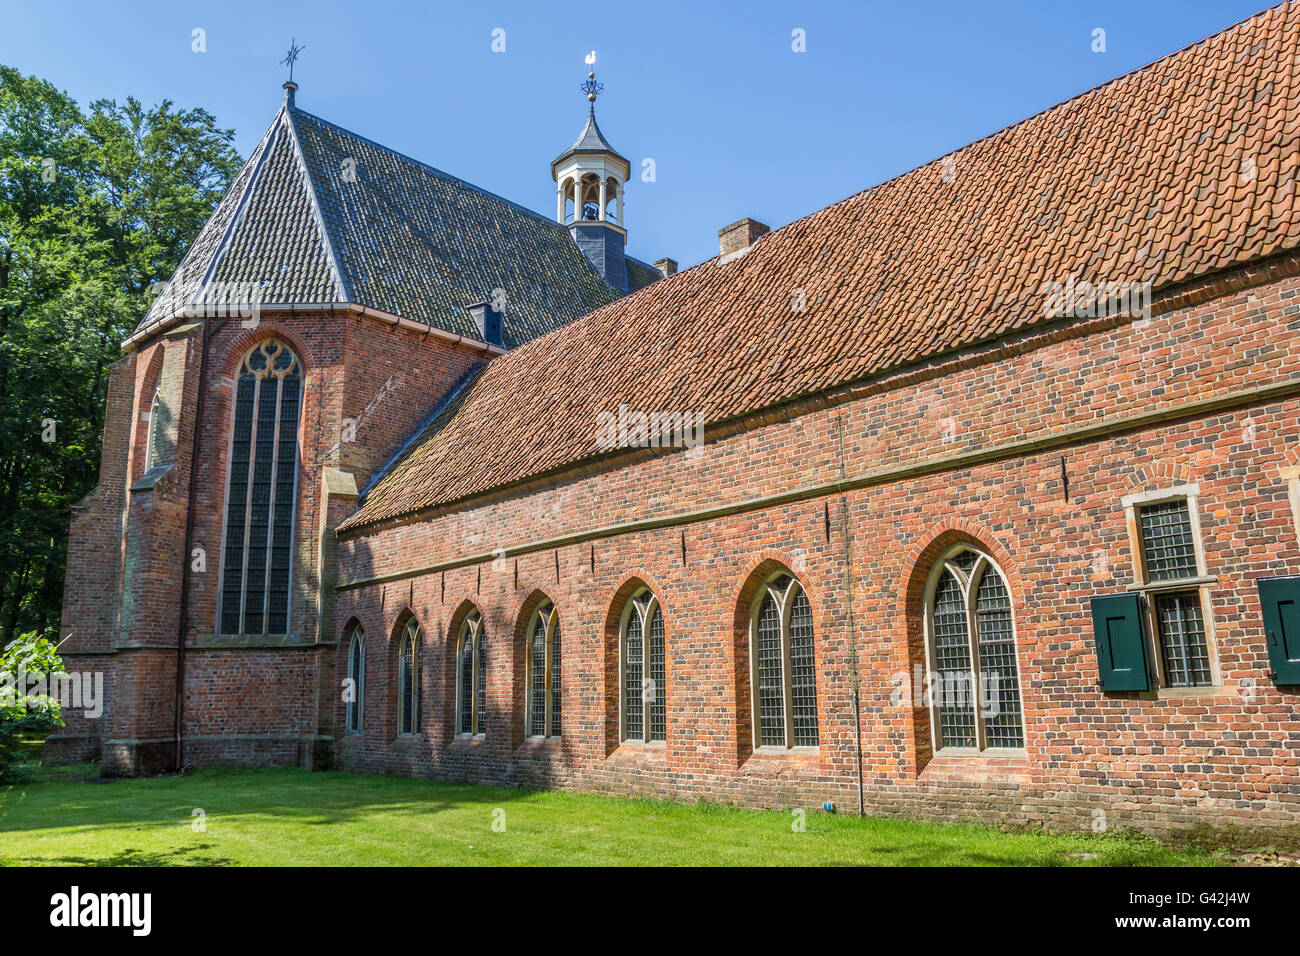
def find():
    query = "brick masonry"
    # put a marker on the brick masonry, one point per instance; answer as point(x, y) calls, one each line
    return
point(964, 447)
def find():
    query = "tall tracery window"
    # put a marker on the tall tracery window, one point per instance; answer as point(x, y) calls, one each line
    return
point(642, 706)
point(471, 677)
point(975, 682)
point(782, 667)
point(408, 679)
point(260, 492)
point(357, 680)
point(543, 702)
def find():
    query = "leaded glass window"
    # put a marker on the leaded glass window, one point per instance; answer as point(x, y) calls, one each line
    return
point(1168, 550)
point(543, 703)
point(641, 655)
point(408, 679)
point(357, 680)
point(1168, 539)
point(260, 492)
point(471, 677)
point(974, 686)
point(783, 665)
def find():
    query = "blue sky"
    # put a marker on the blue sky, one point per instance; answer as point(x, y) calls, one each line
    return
point(738, 124)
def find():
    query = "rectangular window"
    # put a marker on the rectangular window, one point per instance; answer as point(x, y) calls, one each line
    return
point(1167, 546)
point(1171, 573)
point(1183, 647)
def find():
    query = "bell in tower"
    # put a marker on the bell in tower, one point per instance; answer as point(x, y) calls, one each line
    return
point(590, 177)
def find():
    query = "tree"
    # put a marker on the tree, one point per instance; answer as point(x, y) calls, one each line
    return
point(95, 209)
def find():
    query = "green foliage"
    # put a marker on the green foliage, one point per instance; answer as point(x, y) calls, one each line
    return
point(96, 207)
point(26, 707)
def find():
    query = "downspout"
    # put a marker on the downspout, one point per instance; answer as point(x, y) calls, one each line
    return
point(189, 538)
point(854, 676)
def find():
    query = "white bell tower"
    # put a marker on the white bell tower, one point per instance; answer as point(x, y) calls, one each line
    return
point(590, 177)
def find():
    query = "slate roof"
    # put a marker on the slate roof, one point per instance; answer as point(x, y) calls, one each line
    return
point(321, 215)
point(1143, 178)
point(590, 140)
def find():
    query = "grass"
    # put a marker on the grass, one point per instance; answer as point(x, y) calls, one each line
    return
point(294, 817)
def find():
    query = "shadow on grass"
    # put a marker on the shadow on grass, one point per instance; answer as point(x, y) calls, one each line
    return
point(188, 856)
point(305, 797)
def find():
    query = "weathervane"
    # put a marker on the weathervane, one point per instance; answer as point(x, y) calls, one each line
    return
point(591, 87)
point(292, 56)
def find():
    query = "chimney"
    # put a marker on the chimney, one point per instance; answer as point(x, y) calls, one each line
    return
point(289, 89)
point(666, 266)
point(488, 321)
point(740, 235)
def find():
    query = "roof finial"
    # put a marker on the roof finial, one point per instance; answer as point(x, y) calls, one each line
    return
point(591, 87)
point(292, 56)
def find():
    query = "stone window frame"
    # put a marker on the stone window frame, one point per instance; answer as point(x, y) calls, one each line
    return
point(354, 718)
point(785, 604)
point(548, 615)
point(475, 630)
point(1201, 583)
point(644, 604)
point(1290, 474)
point(984, 560)
point(408, 669)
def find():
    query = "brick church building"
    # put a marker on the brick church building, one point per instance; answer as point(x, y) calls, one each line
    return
point(972, 496)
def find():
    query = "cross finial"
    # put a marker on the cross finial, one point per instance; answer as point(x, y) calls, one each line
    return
point(591, 87)
point(292, 56)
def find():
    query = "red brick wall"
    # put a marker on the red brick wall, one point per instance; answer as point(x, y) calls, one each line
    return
point(127, 558)
point(1144, 762)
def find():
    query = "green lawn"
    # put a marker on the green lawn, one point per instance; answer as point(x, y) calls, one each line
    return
point(283, 817)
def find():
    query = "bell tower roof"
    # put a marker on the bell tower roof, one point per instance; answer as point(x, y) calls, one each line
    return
point(590, 140)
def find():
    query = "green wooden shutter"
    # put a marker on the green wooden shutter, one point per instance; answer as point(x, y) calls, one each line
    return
point(1117, 625)
point(1280, 598)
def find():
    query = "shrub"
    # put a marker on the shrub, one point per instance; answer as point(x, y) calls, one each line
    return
point(26, 666)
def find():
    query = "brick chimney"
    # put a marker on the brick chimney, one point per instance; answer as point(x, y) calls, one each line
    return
point(666, 267)
point(739, 235)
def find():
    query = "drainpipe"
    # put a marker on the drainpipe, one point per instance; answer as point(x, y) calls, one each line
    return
point(189, 537)
point(855, 678)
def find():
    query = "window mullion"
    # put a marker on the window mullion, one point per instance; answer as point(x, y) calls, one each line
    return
point(270, 508)
point(972, 630)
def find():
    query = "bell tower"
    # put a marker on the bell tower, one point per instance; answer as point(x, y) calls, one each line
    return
point(590, 177)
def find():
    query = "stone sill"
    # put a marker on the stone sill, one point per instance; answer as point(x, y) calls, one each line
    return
point(466, 743)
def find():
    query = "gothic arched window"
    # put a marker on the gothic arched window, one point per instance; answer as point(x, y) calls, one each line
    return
point(159, 421)
point(782, 665)
point(542, 700)
point(357, 680)
point(260, 492)
point(471, 677)
point(974, 687)
point(408, 679)
point(642, 706)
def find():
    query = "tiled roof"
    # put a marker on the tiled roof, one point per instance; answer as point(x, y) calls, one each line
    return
point(320, 215)
point(1179, 169)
